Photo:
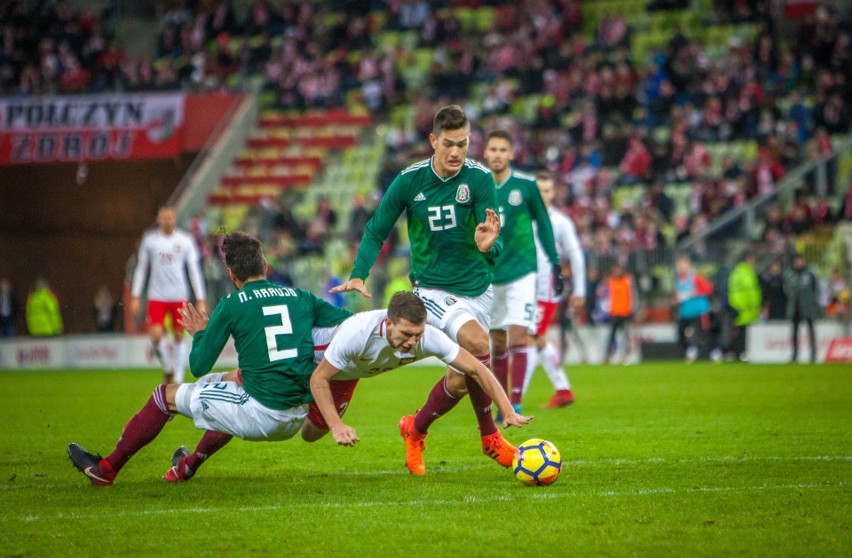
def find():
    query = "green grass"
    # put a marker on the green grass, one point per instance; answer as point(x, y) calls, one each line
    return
point(660, 460)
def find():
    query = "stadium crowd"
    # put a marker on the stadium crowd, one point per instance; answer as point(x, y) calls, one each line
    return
point(625, 135)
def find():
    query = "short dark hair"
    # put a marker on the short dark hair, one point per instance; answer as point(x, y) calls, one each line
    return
point(243, 255)
point(407, 305)
point(450, 117)
point(544, 175)
point(500, 134)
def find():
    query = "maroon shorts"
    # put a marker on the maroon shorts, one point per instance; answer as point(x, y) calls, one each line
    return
point(341, 392)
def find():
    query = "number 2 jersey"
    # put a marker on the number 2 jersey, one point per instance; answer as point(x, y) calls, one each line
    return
point(271, 326)
point(360, 348)
point(442, 217)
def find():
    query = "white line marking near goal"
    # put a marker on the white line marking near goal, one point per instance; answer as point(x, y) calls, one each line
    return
point(464, 501)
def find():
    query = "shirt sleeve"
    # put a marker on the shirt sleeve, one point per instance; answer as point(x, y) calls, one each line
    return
point(436, 343)
point(544, 229)
point(573, 252)
point(325, 314)
point(345, 346)
point(141, 270)
point(193, 266)
point(379, 227)
point(208, 343)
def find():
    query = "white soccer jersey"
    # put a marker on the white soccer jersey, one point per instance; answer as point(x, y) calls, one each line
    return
point(360, 347)
point(168, 256)
point(568, 247)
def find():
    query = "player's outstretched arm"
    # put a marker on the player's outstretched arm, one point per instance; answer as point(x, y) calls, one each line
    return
point(192, 320)
point(468, 364)
point(487, 232)
point(321, 390)
point(354, 284)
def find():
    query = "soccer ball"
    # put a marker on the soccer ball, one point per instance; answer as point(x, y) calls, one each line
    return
point(537, 463)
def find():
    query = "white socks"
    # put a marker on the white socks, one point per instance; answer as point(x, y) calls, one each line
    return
point(552, 367)
point(181, 359)
point(164, 348)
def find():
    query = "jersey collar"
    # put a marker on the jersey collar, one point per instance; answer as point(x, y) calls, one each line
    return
point(441, 178)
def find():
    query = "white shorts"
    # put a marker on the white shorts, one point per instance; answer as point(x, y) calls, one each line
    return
point(544, 284)
point(449, 312)
point(514, 303)
point(226, 407)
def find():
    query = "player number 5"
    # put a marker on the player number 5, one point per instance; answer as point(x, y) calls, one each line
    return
point(286, 328)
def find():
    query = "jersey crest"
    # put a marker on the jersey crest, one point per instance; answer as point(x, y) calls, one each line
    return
point(515, 197)
point(463, 193)
point(450, 300)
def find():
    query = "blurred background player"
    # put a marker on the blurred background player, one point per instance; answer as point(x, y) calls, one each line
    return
point(371, 343)
point(44, 316)
point(170, 255)
point(744, 297)
point(454, 234)
point(622, 299)
point(272, 330)
point(802, 288)
point(524, 225)
point(9, 309)
point(547, 299)
point(692, 297)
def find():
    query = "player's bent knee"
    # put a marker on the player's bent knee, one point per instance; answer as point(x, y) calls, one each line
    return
point(456, 384)
point(311, 432)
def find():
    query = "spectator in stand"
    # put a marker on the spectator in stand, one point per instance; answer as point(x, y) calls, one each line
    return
point(8, 309)
point(44, 318)
point(802, 289)
point(765, 174)
point(774, 299)
point(636, 165)
point(844, 212)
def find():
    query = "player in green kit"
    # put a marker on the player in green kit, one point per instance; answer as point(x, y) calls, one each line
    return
point(455, 238)
point(272, 330)
point(523, 216)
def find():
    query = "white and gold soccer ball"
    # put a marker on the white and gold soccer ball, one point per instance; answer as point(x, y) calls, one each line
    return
point(537, 463)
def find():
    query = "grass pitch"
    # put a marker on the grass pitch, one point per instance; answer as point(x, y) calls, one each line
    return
point(660, 460)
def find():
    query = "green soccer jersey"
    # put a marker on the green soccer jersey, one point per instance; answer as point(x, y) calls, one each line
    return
point(442, 217)
point(271, 326)
point(519, 203)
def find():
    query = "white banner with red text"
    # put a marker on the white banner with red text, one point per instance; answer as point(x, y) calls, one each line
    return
point(87, 128)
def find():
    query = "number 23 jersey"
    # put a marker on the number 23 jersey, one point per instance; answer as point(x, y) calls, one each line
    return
point(442, 217)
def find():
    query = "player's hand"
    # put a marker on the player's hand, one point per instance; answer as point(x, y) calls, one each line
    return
point(192, 320)
point(558, 280)
point(345, 435)
point(516, 420)
point(201, 305)
point(487, 232)
point(134, 306)
point(578, 302)
point(354, 284)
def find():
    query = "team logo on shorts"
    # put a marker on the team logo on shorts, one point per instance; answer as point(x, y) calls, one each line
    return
point(406, 360)
point(463, 193)
point(450, 300)
point(515, 197)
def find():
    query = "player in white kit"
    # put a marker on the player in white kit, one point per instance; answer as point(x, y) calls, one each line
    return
point(171, 255)
point(371, 343)
point(568, 247)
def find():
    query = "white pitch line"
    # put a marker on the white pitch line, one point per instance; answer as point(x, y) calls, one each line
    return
point(464, 501)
